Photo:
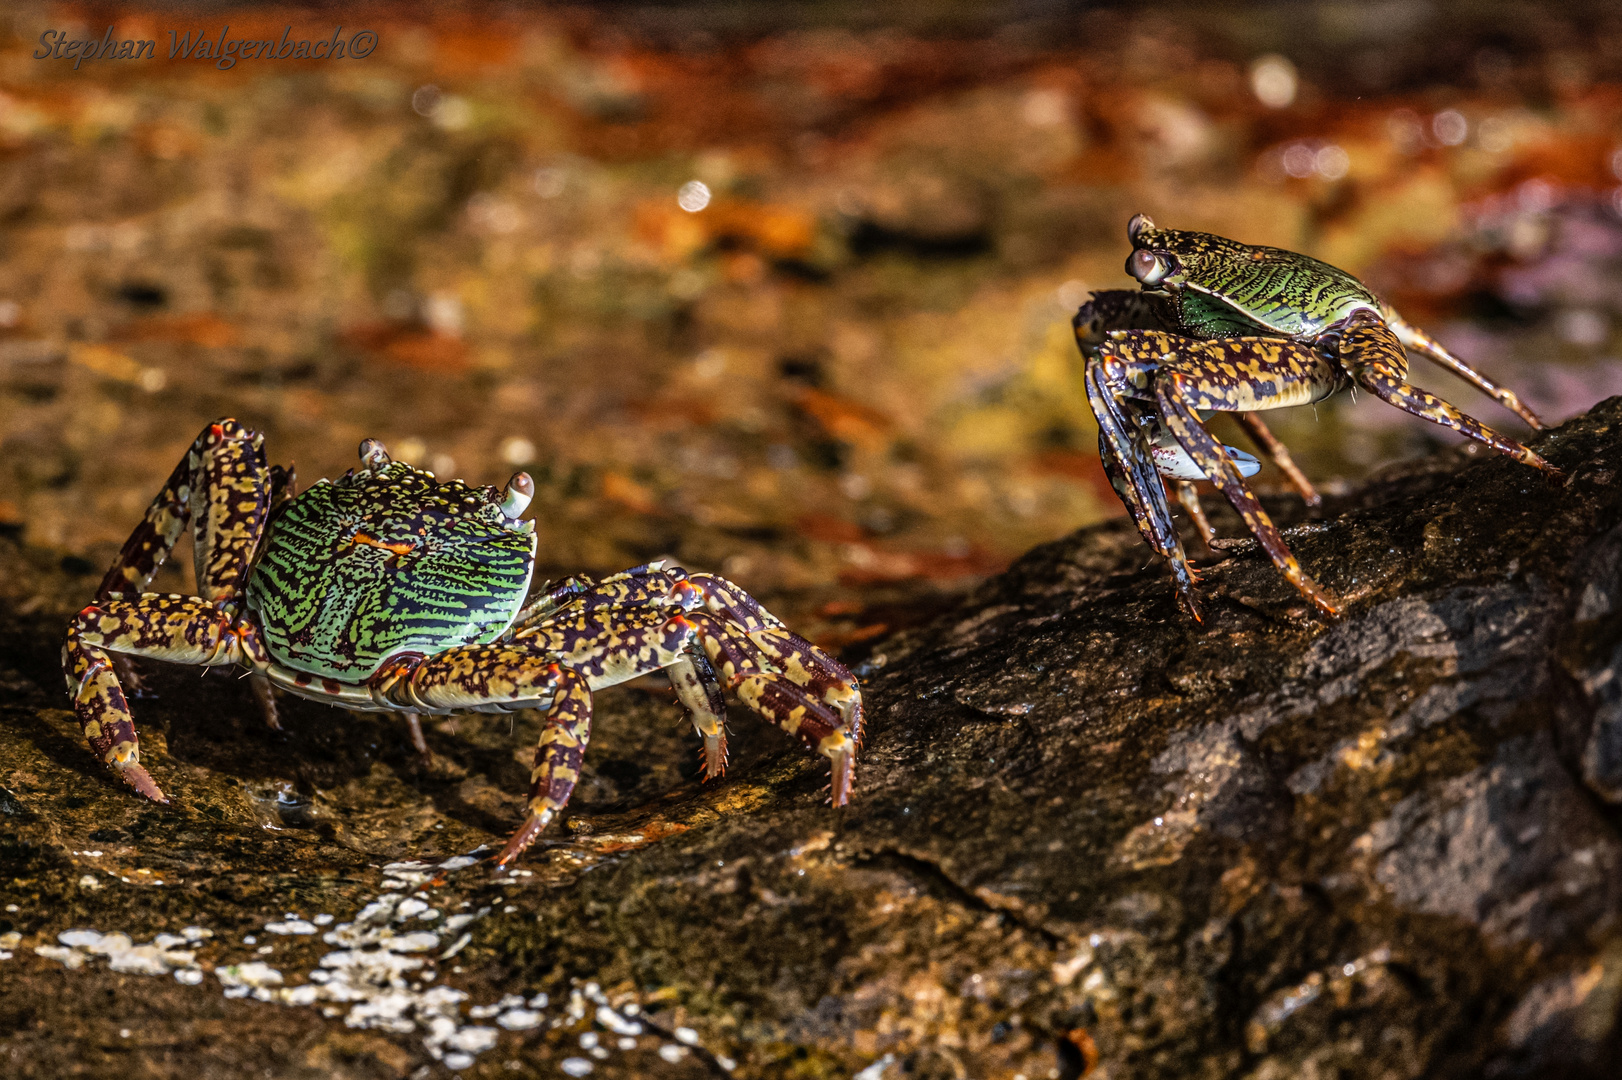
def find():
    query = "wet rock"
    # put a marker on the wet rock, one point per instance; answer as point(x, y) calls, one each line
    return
point(1088, 835)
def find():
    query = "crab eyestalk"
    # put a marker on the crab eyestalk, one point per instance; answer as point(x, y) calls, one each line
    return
point(374, 455)
point(515, 499)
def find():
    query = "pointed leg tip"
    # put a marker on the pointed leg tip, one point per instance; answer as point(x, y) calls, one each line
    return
point(1324, 604)
point(526, 835)
point(844, 768)
point(137, 777)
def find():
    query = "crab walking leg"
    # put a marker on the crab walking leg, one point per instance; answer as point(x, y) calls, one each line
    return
point(611, 645)
point(825, 679)
point(747, 672)
point(792, 654)
point(699, 690)
point(225, 451)
point(1116, 474)
point(1268, 444)
point(182, 629)
point(1232, 375)
point(558, 757)
point(414, 722)
point(1373, 356)
point(1412, 337)
point(1124, 449)
point(1174, 388)
point(265, 695)
point(230, 503)
point(1190, 498)
point(649, 585)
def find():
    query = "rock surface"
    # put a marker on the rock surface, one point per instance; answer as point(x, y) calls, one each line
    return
point(1089, 837)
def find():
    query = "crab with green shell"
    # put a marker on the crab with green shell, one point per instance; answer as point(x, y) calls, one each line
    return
point(1221, 326)
point(388, 590)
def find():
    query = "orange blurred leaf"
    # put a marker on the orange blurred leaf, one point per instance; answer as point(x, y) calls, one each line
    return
point(620, 488)
point(844, 419)
point(411, 346)
point(204, 328)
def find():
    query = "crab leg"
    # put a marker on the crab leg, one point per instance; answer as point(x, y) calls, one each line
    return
point(610, 647)
point(222, 482)
point(1230, 375)
point(806, 664)
point(1190, 498)
point(777, 674)
point(747, 669)
point(640, 586)
point(182, 629)
point(224, 488)
point(699, 690)
point(1412, 337)
point(1268, 444)
point(1372, 354)
point(1125, 309)
point(1124, 450)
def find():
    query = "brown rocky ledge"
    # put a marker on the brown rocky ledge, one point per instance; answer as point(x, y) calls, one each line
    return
point(1088, 836)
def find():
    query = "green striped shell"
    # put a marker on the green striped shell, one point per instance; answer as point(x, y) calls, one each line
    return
point(384, 562)
point(1227, 289)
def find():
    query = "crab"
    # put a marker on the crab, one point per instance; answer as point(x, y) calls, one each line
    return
point(388, 590)
point(1221, 326)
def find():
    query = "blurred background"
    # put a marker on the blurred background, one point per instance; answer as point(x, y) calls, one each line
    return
point(780, 290)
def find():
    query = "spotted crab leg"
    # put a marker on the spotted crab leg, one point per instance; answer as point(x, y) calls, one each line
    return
point(1230, 375)
point(808, 666)
point(223, 487)
point(181, 629)
point(556, 664)
point(519, 673)
point(646, 585)
point(1125, 309)
point(1111, 379)
point(1372, 354)
point(1412, 337)
point(775, 682)
point(698, 688)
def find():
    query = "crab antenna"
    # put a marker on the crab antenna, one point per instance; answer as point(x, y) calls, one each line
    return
point(520, 490)
point(373, 454)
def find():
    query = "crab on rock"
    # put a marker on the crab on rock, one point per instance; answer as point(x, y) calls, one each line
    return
point(390, 591)
point(1221, 326)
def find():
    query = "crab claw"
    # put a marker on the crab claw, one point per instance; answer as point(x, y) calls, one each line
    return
point(136, 777)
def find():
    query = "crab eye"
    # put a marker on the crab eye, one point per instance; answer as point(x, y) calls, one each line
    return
point(373, 454)
point(520, 490)
point(1138, 224)
point(1147, 267)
